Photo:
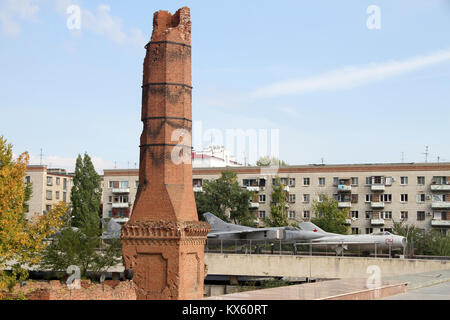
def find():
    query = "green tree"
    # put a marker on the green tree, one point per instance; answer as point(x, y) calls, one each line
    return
point(267, 161)
point(224, 196)
point(86, 194)
point(82, 248)
point(278, 209)
point(329, 217)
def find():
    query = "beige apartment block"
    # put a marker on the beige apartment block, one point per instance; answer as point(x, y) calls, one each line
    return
point(50, 186)
point(376, 194)
point(119, 191)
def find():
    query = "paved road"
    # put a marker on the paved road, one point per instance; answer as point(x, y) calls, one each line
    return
point(436, 292)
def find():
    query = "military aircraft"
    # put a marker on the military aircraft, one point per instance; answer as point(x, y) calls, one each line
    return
point(306, 233)
point(222, 230)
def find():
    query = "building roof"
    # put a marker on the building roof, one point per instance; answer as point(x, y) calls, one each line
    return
point(367, 167)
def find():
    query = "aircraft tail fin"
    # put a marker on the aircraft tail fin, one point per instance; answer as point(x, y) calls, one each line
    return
point(216, 223)
point(309, 226)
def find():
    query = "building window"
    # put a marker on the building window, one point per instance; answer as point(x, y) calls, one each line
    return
point(111, 184)
point(386, 215)
point(403, 181)
point(355, 181)
point(65, 196)
point(291, 214)
point(386, 198)
point(292, 198)
point(49, 181)
point(321, 197)
point(110, 213)
point(110, 199)
point(321, 182)
point(291, 182)
point(262, 214)
point(27, 179)
point(262, 198)
point(65, 184)
point(137, 183)
point(368, 198)
point(369, 230)
point(369, 214)
point(306, 214)
point(354, 198)
point(404, 198)
point(404, 215)
point(354, 214)
point(421, 181)
point(306, 181)
point(421, 197)
point(335, 181)
point(306, 198)
point(48, 207)
point(355, 230)
point(57, 195)
point(124, 184)
point(368, 181)
point(58, 181)
point(49, 195)
point(420, 215)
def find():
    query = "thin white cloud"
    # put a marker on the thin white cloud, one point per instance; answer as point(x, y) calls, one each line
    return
point(351, 77)
point(14, 11)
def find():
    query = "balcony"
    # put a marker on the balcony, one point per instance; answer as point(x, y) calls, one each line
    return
point(198, 189)
point(121, 220)
point(286, 188)
point(121, 190)
point(377, 222)
point(344, 188)
point(254, 205)
point(440, 205)
point(377, 205)
point(348, 222)
point(344, 204)
point(440, 187)
point(440, 223)
point(119, 205)
point(378, 187)
point(253, 189)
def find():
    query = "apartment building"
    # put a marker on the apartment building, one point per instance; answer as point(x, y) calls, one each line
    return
point(376, 194)
point(50, 186)
point(119, 191)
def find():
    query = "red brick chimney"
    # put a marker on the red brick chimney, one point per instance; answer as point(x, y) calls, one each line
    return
point(163, 243)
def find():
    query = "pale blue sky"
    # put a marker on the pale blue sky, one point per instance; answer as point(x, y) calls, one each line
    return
point(312, 69)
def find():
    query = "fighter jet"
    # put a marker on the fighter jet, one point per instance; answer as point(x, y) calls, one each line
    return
point(361, 242)
point(222, 230)
point(306, 233)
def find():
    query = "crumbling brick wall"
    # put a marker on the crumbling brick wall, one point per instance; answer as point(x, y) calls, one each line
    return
point(57, 290)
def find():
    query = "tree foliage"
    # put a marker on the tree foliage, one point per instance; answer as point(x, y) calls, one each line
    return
point(86, 193)
point(430, 242)
point(21, 240)
point(267, 161)
point(224, 196)
point(329, 217)
point(79, 242)
point(278, 209)
point(82, 248)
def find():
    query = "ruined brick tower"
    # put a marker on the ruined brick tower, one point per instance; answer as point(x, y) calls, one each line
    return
point(163, 243)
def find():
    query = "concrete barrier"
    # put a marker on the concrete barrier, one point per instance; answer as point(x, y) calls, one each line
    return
point(314, 267)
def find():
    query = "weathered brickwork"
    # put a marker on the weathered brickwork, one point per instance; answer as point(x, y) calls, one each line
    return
point(163, 243)
point(57, 290)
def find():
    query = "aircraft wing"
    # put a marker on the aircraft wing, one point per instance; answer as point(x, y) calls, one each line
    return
point(263, 232)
